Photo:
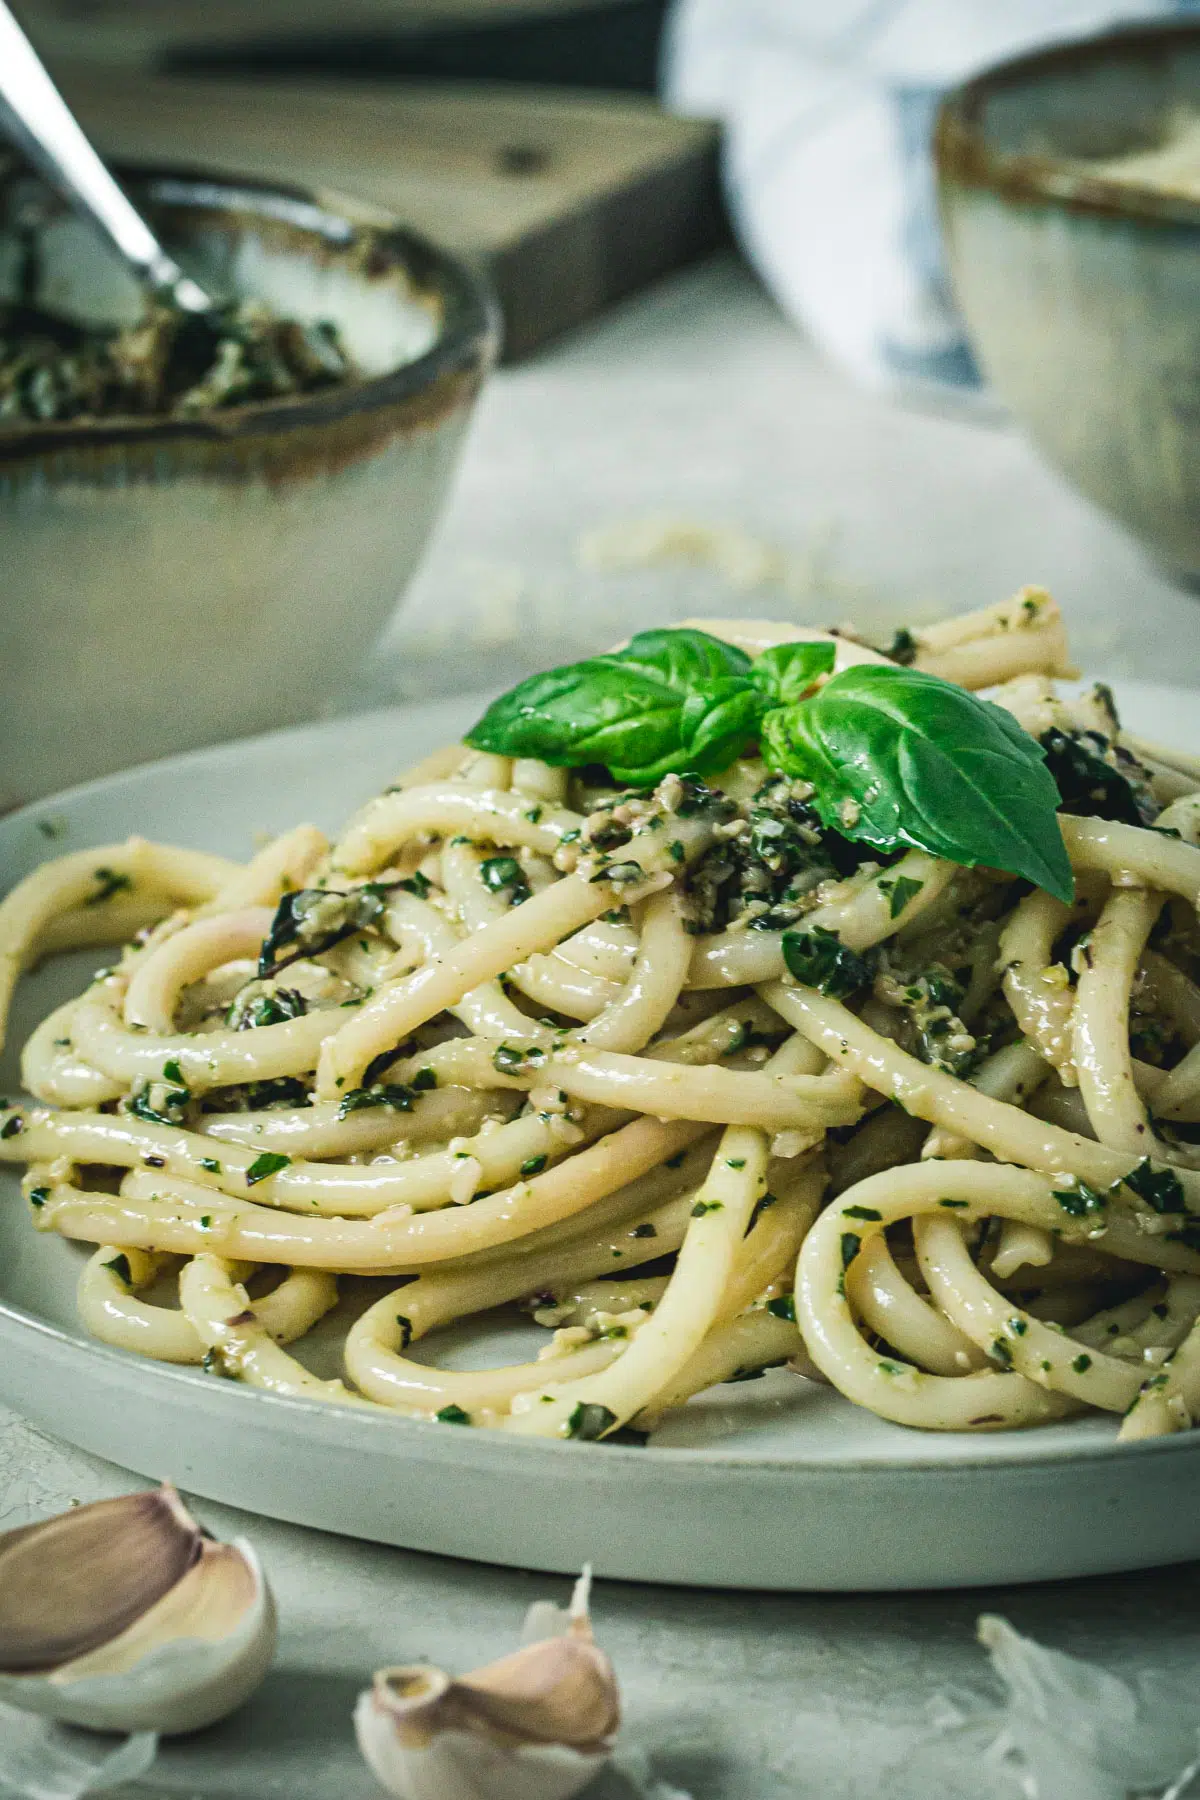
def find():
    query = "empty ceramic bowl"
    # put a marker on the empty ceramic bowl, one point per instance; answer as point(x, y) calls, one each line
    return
point(169, 581)
point(1070, 192)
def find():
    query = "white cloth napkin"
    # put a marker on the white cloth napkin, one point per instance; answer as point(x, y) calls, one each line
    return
point(829, 107)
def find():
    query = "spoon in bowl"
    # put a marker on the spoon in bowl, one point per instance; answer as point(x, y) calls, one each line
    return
point(38, 119)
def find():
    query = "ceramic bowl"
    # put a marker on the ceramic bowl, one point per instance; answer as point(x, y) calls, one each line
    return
point(169, 582)
point(1081, 291)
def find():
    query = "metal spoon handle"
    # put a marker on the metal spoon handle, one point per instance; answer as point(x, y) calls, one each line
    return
point(39, 119)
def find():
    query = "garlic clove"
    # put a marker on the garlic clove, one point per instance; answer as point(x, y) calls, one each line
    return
point(75, 1581)
point(561, 1691)
point(459, 1765)
point(192, 1659)
point(547, 1619)
point(540, 1722)
point(194, 1653)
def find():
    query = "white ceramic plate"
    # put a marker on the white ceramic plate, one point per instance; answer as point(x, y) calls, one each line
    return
point(776, 1483)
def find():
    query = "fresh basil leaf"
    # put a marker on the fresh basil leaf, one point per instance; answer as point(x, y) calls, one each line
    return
point(671, 702)
point(786, 672)
point(899, 757)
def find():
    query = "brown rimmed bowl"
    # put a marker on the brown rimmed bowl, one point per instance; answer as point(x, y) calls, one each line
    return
point(1082, 292)
point(169, 582)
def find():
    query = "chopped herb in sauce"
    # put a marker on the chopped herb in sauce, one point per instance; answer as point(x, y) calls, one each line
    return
point(509, 1059)
point(1080, 1200)
point(391, 1094)
point(1161, 1189)
point(900, 890)
point(285, 1090)
point(266, 1007)
point(311, 921)
point(903, 648)
point(760, 1207)
point(504, 875)
point(1098, 778)
point(108, 881)
point(161, 1102)
point(169, 364)
point(621, 874)
point(819, 959)
point(590, 1421)
point(266, 1164)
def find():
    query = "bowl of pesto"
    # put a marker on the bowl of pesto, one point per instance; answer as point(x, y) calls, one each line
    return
point(1070, 195)
point(206, 527)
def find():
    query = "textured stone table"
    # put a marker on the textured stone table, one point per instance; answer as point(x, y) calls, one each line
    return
point(698, 401)
point(695, 401)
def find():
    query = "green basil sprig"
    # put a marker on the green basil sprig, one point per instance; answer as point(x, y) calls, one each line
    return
point(896, 757)
point(787, 672)
point(671, 702)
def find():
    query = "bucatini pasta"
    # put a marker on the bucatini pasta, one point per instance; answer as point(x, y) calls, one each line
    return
point(727, 1060)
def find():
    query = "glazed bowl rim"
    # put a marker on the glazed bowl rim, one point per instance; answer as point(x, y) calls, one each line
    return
point(965, 158)
point(467, 340)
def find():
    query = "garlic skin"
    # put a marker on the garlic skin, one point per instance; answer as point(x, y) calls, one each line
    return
point(540, 1723)
point(125, 1616)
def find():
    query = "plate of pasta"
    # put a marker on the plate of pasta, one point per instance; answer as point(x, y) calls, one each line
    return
point(729, 1112)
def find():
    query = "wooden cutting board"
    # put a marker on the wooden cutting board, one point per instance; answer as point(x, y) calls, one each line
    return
point(145, 33)
point(568, 199)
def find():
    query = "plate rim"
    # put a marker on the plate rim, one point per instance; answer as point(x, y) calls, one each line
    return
point(492, 1445)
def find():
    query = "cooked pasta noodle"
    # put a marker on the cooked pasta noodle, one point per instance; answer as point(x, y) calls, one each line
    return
point(525, 1037)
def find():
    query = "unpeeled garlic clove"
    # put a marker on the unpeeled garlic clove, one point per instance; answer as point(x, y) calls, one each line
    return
point(73, 1582)
point(539, 1723)
point(125, 1616)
